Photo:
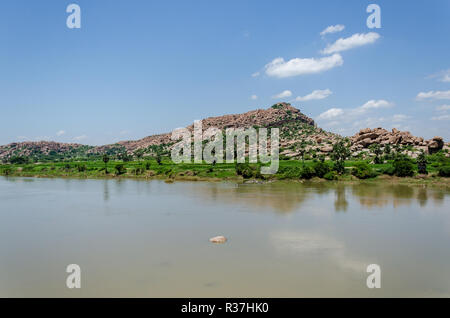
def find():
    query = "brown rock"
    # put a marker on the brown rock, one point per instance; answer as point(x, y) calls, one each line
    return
point(326, 149)
point(218, 239)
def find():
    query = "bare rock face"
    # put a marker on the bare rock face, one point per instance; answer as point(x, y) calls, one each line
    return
point(326, 149)
point(435, 144)
point(274, 116)
point(367, 137)
point(218, 239)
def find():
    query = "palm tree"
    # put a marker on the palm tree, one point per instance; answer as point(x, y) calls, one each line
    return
point(105, 160)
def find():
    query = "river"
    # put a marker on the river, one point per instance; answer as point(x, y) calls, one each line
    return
point(134, 238)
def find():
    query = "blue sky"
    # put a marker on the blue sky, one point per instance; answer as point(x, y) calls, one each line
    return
point(137, 68)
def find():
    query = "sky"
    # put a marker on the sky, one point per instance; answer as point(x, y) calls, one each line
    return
point(137, 68)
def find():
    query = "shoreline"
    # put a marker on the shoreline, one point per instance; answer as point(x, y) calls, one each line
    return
point(345, 179)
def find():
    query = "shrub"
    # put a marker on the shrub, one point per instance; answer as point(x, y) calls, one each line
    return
point(321, 168)
point(444, 171)
point(289, 172)
point(81, 167)
point(403, 167)
point(362, 170)
point(19, 160)
point(120, 168)
point(437, 158)
point(147, 165)
point(331, 175)
point(249, 170)
point(307, 173)
point(6, 171)
point(389, 171)
point(138, 170)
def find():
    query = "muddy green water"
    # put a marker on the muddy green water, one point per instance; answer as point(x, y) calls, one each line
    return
point(150, 239)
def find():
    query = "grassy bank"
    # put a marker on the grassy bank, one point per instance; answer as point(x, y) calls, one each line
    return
point(166, 169)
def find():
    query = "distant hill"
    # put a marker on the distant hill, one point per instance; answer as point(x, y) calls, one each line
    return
point(298, 133)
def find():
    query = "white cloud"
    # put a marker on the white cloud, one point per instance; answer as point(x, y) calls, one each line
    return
point(381, 103)
point(333, 29)
point(399, 117)
point(442, 117)
point(300, 66)
point(351, 114)
point(356, 40)
point(331, 113)
point(443, 108)
point(253, 97)
point(283, 94)
point(60, 133)
point(316, 94)
point(79, 138)
point(305, 244)
point(347, 121)
point(442, 76)
point(434, 95)
point(42, 138)
point(256, 74)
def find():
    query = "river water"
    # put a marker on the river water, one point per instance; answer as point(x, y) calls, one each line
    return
point(151, 239)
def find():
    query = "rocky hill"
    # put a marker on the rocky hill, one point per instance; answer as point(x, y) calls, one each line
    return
point(43, 149)
point(298, 134)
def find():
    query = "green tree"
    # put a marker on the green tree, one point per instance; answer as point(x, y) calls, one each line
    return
point(376, 149)
point(106, 160)
point(302, 154)
point(139, 154)
point(422, 163)
point(124, 156)
point(387, 151)
point(339, 154)
point(120, 168)
point(158, 158)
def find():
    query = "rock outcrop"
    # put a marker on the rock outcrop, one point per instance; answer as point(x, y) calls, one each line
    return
point(366, 137)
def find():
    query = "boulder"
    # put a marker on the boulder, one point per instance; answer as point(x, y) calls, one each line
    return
point(218, 239)
point(435, 144)
point(366, 142)
point(326, 149)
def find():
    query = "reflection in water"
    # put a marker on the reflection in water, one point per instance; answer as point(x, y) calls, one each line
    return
point(289, 197)
point(341, 203)
point(105, 190)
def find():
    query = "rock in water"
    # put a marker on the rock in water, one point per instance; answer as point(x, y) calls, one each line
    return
point(218, 239)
